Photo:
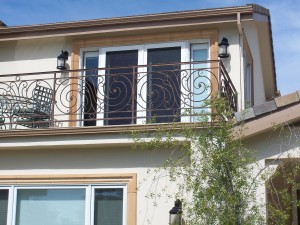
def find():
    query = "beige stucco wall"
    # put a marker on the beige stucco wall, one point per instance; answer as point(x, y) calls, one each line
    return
point(234, 62)
point(36, 55)
point(98, 161)
point(251, 33)
point(112, 154)
point(39, 55)
point(270, 149)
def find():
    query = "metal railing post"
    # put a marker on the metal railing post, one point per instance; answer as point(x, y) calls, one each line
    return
point(53, 101)
point(133, 94)
point(220, 79)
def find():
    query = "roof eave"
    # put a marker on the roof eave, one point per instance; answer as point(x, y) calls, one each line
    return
point(63, 28)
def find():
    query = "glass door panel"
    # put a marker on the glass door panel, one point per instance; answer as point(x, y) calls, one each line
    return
point(90, 88)
point(247, 82)
point(200, 78)
point(3, 206)
point(164, 82)
point(50, 207)
point(120, 86)
point(108, 206)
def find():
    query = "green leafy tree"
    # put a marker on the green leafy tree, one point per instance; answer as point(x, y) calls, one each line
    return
point(211, 167)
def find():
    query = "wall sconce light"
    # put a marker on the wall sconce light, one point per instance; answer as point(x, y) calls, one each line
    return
point(176, 214)
point(223, 48)
point(61, 60)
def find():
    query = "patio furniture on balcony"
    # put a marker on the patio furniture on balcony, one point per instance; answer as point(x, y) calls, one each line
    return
point(36, 112)
point(142, 94)
point(2, 119)
point(8, 102)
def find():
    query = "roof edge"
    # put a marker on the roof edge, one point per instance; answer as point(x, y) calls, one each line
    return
point(260, 9)
point(129, 19)
point(2, 24)
point(279, 112)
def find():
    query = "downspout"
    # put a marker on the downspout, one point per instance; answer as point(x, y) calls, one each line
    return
point(239, 23)
point(240, 29)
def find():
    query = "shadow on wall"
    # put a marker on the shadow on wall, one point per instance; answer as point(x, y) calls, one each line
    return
point(273, 143)
point(32, 49)
point(80, 159)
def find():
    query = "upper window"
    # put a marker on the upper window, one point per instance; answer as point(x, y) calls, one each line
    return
point(142, 83)
point(68, 205)
point(248, 76)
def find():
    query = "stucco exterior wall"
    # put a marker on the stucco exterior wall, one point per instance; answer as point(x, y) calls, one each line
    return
point(98, 161)
point(233, 64)
point(27, 56)
point(270, 149)
point(251, 33)
point(39, 55)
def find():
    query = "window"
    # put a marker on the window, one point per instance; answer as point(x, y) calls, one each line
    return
point(298, 207)
point(200, 75)
point(90, 88)
point(3, 206)
point(64, 205)
point(120, 104)
point(247, 82)
point(248, 75)
point(137, 89)
point(163, 85)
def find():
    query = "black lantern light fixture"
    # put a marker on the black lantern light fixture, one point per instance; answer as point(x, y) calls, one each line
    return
point(176, 214)
point(61, 60)
point(223, 45)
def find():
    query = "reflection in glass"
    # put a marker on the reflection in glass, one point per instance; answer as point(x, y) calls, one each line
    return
point(163, 95)
point(50, 207)
point(120, 84)
point(108, 206)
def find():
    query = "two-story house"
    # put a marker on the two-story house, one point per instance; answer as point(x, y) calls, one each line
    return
point(69, 93)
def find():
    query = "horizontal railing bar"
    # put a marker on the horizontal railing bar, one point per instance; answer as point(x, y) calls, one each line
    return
point(107, 68)
point(164, 93)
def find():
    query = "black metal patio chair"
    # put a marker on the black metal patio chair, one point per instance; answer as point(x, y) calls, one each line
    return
point(2, 119)
point(35, 112)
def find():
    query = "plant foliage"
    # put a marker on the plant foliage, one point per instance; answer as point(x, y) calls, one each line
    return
point(211, 167)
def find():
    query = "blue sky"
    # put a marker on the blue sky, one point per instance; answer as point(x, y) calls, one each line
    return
point(284, 15)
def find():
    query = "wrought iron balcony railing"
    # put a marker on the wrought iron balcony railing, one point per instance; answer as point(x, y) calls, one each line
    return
point(112, 96)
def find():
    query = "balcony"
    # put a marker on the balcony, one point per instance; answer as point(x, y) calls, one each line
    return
point(161, 93)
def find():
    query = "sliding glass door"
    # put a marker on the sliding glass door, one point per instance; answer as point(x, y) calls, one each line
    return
point(90, 84)
point(164, 84)
point(120, 87)
point(200, 79)
point(145, 83)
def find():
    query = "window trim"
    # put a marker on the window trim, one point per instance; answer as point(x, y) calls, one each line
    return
point(185, 47)
point(92, 206)
point(61, 181)
point(79, 45)
point(84, 54)
point(247, 55)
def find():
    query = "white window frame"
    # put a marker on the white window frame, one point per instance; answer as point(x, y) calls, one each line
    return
point(89, 201)
point(247, 84)
point(10, 203)
point(197, 46)
point(92, 207)
point(185, 46)
point(92, 52)
point(102, 64)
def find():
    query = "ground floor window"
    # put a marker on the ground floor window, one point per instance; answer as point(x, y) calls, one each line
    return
point(63, 205)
